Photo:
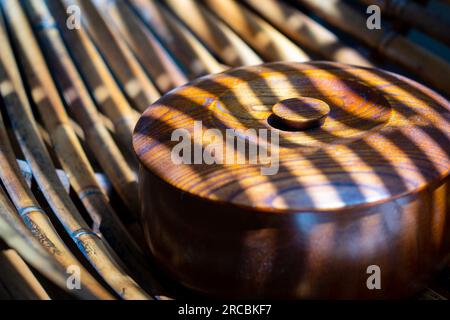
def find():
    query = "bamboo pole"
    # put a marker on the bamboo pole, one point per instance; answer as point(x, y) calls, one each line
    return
point(36, 219)
point(71, 156)
point(397, 48)
point(219, 38)
point(268, 42)
point(416, 15)
point(306, 32)
point(25, 129)
point(15, 234)
point(107, 153)
point(4, 294)
point(99, 79)
point(65, 143)
point(154, 57)
point(137, 86)
point(18, 278)
point(106, 94)
point(83, 109)
point(195, 58)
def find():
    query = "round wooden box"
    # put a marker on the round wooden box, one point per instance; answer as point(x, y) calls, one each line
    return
point(291, 180)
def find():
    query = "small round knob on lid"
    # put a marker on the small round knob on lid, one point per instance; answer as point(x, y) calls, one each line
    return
point(300, 113)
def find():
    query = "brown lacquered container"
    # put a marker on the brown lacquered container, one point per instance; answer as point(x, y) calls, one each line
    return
point(362, 180)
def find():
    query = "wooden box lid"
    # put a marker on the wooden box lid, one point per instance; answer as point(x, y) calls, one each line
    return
point(348, 136)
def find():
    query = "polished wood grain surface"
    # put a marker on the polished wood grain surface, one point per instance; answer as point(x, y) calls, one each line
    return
point(300, 113)
point(306, 200)
point(371, 111)
point(357, 191)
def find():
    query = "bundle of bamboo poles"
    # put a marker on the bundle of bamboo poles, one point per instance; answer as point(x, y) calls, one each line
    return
point(70, 98)
point(415, 14)
point(416, 59)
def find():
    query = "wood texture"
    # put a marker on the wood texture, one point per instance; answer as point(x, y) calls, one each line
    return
point(416, 15)
point(18, 278)
point(18, 237)
point(300, 113)
point(359, 190)
point(219, 38)
point(40, 226)
point(307, 33)
point(80, 104)
point(367, 186)
point(266, 40)
point(103, 146)
point(196, 60)
point(71, 155)
point(155, 58)
point(138, 87)
point(98, 77)
point(425, 64)
point(358, 111)
point(32, 146)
